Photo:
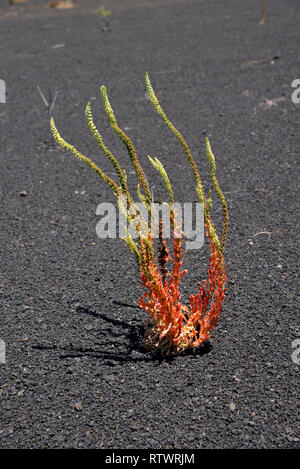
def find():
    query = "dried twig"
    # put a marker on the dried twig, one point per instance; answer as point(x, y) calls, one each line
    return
point(50, 107)
point(263, 11)
point(266, 232)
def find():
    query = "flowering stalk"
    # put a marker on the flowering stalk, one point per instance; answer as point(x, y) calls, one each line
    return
point(172, 326)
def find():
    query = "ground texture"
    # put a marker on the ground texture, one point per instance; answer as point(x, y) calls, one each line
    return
point(75, 373)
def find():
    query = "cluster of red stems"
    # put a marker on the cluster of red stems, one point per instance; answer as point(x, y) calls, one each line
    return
point(172, 327)
point(176, 327)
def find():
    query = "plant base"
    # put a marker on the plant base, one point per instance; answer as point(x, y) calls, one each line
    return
point(153, 343)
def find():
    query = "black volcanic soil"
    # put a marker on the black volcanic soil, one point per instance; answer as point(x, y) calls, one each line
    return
point(76, 375)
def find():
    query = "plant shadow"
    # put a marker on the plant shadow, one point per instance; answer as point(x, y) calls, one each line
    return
point(132, 352)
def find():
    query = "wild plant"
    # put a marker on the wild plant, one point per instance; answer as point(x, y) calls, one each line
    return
point(172, 327)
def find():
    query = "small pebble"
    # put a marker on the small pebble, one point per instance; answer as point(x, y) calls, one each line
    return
point(78, 406)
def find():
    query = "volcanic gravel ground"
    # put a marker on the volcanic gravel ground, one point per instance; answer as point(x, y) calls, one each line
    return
point(76, 375)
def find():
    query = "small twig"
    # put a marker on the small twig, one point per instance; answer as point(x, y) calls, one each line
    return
point(43, 97)
point(53, 101)
point(51, 106)
point(266, 232)
point(263, 11)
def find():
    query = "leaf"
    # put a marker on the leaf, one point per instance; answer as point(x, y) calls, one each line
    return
point(61, 5)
